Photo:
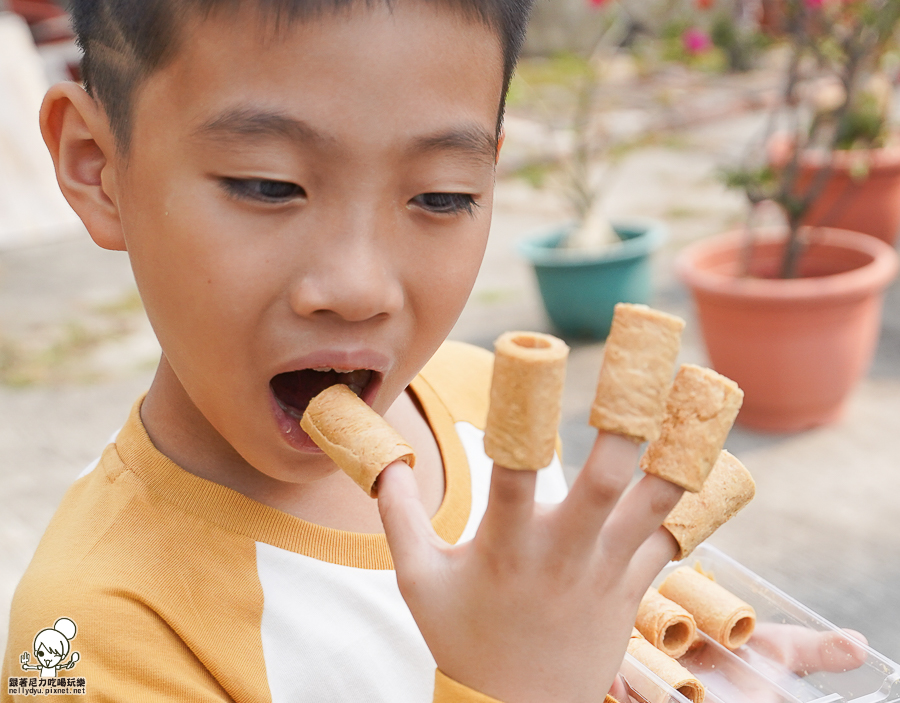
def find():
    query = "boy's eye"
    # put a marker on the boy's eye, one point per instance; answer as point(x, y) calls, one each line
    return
point(446, 203)
point(262, 189)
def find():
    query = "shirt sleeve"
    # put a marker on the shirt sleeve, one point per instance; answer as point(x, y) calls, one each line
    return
point(446, 690)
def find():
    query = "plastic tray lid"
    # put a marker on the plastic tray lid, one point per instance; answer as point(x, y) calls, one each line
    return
point(876, 680)
point(727, 679)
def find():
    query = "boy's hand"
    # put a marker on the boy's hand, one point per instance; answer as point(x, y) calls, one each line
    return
point(539, 606)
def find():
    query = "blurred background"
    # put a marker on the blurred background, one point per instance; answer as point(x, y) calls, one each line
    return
point(637, 131)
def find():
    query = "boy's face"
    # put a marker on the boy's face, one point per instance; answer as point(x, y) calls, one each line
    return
point(317, 197)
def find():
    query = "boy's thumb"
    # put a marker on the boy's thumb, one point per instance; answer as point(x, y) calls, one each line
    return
point(407, 526)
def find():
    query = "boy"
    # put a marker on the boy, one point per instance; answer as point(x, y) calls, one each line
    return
point(304, 191)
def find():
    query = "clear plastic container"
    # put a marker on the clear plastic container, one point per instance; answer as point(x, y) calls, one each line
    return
point(758, 672)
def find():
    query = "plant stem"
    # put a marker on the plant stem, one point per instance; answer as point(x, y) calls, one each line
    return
point(749, 243)
point(793, 248)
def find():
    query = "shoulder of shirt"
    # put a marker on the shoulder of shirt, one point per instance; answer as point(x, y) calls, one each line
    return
point(460, 374)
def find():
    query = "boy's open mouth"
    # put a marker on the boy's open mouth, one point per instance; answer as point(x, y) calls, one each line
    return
point(293, 390)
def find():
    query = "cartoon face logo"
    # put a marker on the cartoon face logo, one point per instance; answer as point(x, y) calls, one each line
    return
point(50, 648)
point(46, 656)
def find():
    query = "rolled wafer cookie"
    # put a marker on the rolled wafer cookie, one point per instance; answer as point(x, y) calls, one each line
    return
point(728, 488)
point(354, 436)
point(700, 411)
point(638, 365)
point(718, 612)
point(667, 669)
point(666, 625)
point(526, 399)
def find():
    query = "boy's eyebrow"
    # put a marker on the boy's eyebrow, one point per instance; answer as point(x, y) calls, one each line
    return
point(470, 140)
point(247, 122)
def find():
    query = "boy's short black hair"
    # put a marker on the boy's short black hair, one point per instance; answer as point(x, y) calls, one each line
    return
point(124, 41)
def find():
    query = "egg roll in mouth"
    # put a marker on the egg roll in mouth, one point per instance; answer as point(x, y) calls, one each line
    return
point(293, 390)
point(354, 436)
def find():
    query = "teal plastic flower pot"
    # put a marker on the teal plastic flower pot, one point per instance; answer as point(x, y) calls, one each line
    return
point(581, 288)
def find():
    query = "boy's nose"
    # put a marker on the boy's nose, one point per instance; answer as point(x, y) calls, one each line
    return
point(355, 279)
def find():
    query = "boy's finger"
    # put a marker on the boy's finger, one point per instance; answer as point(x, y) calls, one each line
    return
point(618, 690)
point(649, 559)
point(510, 505)
point(803, 650)
point(407, 526)
point(640, 512)
point(598, 487)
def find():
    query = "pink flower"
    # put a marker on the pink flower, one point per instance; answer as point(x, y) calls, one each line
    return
point(597, 3)
point(814, 4)
point(695, 41)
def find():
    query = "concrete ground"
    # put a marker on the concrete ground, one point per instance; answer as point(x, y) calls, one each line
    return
point(75, 351)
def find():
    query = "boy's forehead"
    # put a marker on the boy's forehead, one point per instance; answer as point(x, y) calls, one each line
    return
point(244, 75)
point(261, 26)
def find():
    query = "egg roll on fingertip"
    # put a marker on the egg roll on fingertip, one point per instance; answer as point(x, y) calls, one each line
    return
point(700, 410)
point(354, 436)
point(638, 364)
point(526, 399)
point(728, 488)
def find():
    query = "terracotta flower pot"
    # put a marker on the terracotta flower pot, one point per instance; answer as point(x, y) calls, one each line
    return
point(862, 193)
point(797, 347)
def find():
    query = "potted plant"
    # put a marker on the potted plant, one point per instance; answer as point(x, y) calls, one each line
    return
point(586, 266)
point(827, 155)
point(793, 313)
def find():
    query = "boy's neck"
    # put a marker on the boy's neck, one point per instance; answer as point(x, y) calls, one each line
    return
point(181, 432)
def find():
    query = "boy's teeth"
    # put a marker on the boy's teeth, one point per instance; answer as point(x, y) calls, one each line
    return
point(289, 410)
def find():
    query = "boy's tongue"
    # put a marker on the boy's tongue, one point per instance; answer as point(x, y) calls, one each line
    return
point(293, 390)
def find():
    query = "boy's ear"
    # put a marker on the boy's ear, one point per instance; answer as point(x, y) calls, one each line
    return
point(500, 143)
point(83, 149)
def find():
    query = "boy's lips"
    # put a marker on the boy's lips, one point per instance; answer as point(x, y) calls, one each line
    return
point(291, 392)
